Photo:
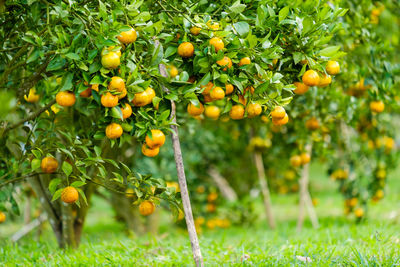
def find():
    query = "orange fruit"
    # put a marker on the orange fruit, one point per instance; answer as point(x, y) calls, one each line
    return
point(217, 93)
point(301, 88)
point(173, 71)
point(49, 165)
point(311, 78)
point(295, 161)
point(212, 197)
point(150, 94)
point(116, 84)
point(207, 87)
point(140, 99)
point(157, 139)
point(242, 100)
point(225, 62)
point(86, 93)
point(377, 106)
point(65, 98)
point(244, 61)
point(95, 87)
point(148, 152)
point(109, 100)
point(228, 89)
point(214, 26)
point(32, 97)
point(325, 80)
point(251, 88)
point(195, 111)
point(2, 217)
point(109, 49)
point(237, 112)
point(332, 67)
point(359, 212)
point(254, 109)
point(278, 113)
point(127, 37)
point(69, 195)
point(280, 122)
point(212, 112)
point(312, 124)
point(114, 130)
point(195, 30)
point(111, 60)
point(126, 111)
point(186, 50)
point(146, 208)
point(305, 158)
point(217, 43)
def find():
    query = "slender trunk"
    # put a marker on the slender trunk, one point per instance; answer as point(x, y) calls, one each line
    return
point(27, 210)
point(264, 189)
point(68, 225)
point(311, 211)
point(222, 184)
point(194, 241)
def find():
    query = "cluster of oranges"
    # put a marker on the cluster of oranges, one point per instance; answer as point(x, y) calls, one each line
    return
point(299, 160)
point(50, 165)
point(152, 145)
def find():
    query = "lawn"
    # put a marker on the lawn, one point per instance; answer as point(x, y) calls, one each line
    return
point(339, 241)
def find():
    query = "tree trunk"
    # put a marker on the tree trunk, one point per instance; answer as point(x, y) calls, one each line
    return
point(222, 184)
point(194, 241)
point(264, 189)
point(305, 201)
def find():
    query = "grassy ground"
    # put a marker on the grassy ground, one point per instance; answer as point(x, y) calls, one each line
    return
point(374, 242)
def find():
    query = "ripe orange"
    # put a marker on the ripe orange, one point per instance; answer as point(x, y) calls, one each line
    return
point(332, 67)
point(207, 87)
point(150, 94)
point(109, 49)
point(140, 99)
point(278, 113)
point(146, 208)
point(95, 87)
point(2, 217)
point(226, 61)
point(65, 98)
point(228, 89)
point(295, 161)
point(312, 124)
point(126, 111)
point(157, 139)
point(186, 50)
point(207, 98)
point(305, 158)
point(148, 152)
point(212, 112)
point(237, 112)
point(311, 78)
point(217, 93)
point(116, 84)
point(254, 109)
point(249, 88)
point(111, 60)
point(359, 212)
point(280, 122)
point(195, 30)
point(109, 100)
point(86, 93)
point(173, 71)
point(214, 26)
point(32, 97)
point(217, 43)
point(301, 88)
point(114, 130)
point(244, 61)
point(69, 195)
point(195, 111)
point(49, 165)
point(377, 106)
point(325, 80)
point(127, 37)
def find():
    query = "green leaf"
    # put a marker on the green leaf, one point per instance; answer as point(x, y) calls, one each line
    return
point(56, 63)
point(73, 56)
point(77, 184)
point(237, 7)
point(57, 194)
point(35, 164)
point(242, 28)
point(53, 184)
point(329, 51)
point(116, 112)
point(283, 13)
point(66, 83)
point(67, 168)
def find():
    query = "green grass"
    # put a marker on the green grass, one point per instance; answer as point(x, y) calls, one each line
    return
point(338, 242)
